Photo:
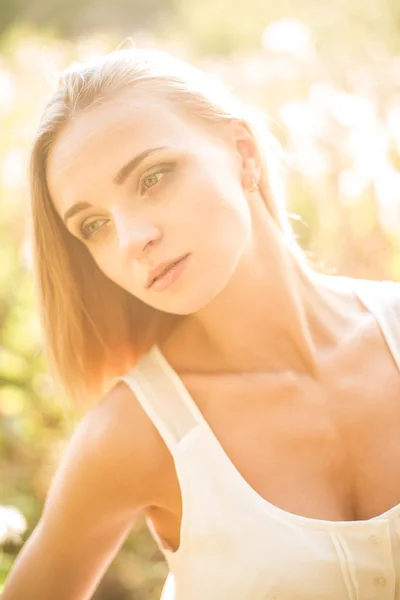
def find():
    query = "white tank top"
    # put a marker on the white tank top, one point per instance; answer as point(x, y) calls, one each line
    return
point(235, 545)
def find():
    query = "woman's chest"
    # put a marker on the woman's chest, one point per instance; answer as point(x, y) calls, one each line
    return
point(315, 463)
point(325, 450)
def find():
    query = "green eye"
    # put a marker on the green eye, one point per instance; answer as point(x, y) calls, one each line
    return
point(150, 180)
point(91, 228)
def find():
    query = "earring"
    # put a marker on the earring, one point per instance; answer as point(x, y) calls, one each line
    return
point(253, 185)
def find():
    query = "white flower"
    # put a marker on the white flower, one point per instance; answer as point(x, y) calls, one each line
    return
point(290, 37)
point(12, 524)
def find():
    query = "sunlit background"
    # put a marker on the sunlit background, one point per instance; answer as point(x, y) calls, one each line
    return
point(327, 75)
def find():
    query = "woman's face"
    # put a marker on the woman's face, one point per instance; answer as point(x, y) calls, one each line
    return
point(182, 196)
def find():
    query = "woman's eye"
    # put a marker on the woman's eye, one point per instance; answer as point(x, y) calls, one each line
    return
point(149, 180)
point(89, 229)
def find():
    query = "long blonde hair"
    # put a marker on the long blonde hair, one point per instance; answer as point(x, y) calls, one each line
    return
point(93, 329)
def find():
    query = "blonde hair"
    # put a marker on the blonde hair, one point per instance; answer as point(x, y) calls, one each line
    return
point(94, 330)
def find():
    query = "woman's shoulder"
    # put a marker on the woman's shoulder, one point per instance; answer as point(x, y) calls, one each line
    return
point(123, 443)
point(385, 288)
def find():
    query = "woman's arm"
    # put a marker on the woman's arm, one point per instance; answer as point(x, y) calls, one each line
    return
point(99, 488)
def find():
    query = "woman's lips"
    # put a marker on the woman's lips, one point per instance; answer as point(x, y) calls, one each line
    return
point(170, 275)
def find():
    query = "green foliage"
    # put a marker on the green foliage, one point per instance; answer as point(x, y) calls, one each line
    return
point(339, 26)
point(74, 17)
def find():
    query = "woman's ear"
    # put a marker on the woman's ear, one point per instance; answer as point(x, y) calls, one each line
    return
point(245, 147)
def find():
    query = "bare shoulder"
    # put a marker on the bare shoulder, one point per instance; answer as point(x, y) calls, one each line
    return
point(115, 454)
point(119, 423)
point(125, 442)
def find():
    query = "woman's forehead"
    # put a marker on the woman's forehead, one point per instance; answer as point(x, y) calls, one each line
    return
point(106, 125)
point(94, 144)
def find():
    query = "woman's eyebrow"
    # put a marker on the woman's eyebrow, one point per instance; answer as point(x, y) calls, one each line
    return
point(74, 209)
point(119, 179)
point(125, 171)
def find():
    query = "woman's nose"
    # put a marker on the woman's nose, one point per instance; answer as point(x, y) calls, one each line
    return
point(136, 239)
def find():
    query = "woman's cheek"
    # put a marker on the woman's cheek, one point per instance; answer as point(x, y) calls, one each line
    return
point(108, 262)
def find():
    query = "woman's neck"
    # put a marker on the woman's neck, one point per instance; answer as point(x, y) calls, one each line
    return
point(274, 314)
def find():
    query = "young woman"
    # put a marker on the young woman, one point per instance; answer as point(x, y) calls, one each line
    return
point(250, 407)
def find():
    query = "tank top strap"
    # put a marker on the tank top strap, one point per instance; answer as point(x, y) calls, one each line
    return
point(163, 397)
point(382, 298)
